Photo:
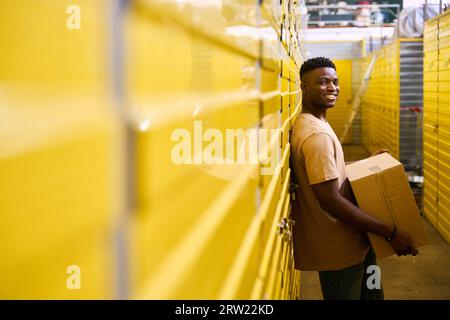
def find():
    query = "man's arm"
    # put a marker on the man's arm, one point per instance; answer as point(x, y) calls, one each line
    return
point(333, 202)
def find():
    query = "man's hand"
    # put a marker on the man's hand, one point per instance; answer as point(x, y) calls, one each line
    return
point(379, 151)
point(403, 244)
point(336, 202)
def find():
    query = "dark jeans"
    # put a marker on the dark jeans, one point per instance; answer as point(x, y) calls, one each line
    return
point(351, 283)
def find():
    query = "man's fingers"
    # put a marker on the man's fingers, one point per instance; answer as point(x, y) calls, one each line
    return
point(379, 151)
point(414, 250)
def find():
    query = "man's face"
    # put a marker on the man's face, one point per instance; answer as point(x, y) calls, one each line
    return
point(321, 87)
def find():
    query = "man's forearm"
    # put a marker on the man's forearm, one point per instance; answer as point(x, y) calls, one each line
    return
point(345, 211)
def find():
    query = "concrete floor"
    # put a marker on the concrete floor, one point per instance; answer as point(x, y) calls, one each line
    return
point(425, 277)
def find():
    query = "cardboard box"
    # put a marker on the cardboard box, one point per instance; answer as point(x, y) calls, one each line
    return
point(382, 190)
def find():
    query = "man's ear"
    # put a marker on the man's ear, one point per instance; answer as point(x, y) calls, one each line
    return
point(302, 85)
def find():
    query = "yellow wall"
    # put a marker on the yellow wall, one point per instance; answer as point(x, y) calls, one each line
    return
point(214, 226)
point(87, 177)
point(58, 200)
point(436, 120)
point(338, 115)
point(380, 106)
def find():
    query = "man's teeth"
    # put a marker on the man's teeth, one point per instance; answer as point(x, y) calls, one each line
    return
point(330, 96)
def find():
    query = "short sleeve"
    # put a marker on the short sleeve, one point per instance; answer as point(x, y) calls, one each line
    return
point(320, 163)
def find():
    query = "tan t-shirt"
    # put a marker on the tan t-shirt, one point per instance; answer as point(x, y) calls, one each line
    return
point(321, 242)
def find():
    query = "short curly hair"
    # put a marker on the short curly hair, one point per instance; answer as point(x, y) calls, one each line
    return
point(314, 63)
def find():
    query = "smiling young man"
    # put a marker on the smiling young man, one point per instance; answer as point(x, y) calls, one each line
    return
point(330, 231)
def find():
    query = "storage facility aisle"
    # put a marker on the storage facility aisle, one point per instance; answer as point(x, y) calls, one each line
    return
point(145, 145)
